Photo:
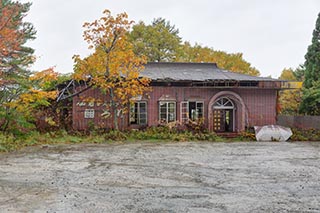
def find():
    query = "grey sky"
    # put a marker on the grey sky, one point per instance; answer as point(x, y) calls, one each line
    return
point(272, 34)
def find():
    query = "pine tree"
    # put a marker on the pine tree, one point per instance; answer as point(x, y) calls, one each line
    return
point(15, 57)
point(312, 63)
point(310, 104)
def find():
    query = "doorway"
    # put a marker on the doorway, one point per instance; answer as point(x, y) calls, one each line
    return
point(223, 115)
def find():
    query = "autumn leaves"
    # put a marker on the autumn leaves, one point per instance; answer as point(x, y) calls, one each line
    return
point(112, 66)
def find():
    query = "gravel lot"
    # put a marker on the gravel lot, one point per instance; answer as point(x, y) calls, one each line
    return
point(163, 177)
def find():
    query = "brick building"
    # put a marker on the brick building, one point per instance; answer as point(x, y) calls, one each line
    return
point(227, 101)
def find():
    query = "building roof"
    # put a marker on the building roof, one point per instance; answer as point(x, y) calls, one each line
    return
point(174, 71)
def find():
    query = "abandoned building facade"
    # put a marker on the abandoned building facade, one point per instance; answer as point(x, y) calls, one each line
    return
point(224, 100)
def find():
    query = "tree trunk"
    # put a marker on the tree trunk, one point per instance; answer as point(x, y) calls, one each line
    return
point(115, 119)
point(114, 110)
point(7, 120)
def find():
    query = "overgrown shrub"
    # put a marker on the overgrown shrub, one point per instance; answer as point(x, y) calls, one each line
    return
point(169, 133)
point(115, 135)
point(305, 135)
point(196, 126)
point(247, 136)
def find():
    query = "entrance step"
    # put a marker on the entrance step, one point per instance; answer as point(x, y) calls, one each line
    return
point(228, 134)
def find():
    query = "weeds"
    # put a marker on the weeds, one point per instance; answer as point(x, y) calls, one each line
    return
point(305, 135)
point(10, 142)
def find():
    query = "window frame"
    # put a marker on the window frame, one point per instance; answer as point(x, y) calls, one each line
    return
point(167, 113)
point(185, 109)
point(89, 113)
point(137, 113)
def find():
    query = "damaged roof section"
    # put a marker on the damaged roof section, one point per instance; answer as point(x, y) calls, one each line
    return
point(194, 72)
point(203, 75)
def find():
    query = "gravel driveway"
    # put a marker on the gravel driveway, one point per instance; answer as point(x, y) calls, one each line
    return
point(163, 177)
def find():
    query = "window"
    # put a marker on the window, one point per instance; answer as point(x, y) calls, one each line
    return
point(223, 103)
point(138, 113)
point(192, 110)
point(89, 113)
point(167, 111)
point(195, 110)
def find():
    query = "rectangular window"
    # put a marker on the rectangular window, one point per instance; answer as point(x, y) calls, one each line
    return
point(192, 110)
point(184, 108)
point(138, 113)
point(167, 111)
point(89, 113)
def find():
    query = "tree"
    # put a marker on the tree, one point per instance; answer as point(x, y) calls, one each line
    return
point(113, 67)
point(233, 62)
point(14, 33)
point(287, 74)
point(34, 100)
point(159, 41)
point(311, 100)
point(289, 100)
point(299, 73)
point(311, 92)
point(312, 62)
point(15, 57)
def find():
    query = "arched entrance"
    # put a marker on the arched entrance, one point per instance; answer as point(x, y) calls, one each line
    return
point(226, 112)
point(224, 115)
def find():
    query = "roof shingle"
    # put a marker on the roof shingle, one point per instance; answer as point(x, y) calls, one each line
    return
point(176, 71)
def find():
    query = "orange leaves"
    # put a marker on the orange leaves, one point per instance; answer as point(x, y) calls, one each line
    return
point(107, 30)
point(9, 35)
point(40, 93)
point(113, 66)
point(45, 78)
point(12, 28)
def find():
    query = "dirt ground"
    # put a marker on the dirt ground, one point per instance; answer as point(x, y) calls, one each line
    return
point(162, 177)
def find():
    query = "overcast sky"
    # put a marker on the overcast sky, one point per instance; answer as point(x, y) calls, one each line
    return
point(271, 34)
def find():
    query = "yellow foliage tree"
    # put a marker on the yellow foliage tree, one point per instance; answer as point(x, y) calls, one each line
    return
point(40, 92)
point(113, 67)
point(233, 62)
point(38, 95)
point(289, 100)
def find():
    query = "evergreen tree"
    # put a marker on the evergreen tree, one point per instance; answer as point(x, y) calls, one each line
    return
point(310, 104)
point(299, 72)
point(311, 92)
point(158, 42)
point(15, 57)
point(312, 63)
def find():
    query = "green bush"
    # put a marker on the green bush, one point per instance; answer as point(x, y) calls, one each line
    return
point(170, 134)
point(305, 135)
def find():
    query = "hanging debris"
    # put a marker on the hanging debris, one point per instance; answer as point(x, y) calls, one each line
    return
point(68, 89)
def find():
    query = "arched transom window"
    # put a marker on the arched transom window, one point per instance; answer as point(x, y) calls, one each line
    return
point(223, 103)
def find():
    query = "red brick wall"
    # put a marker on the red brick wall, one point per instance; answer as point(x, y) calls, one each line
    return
point(99, 101)
point(260, 105)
